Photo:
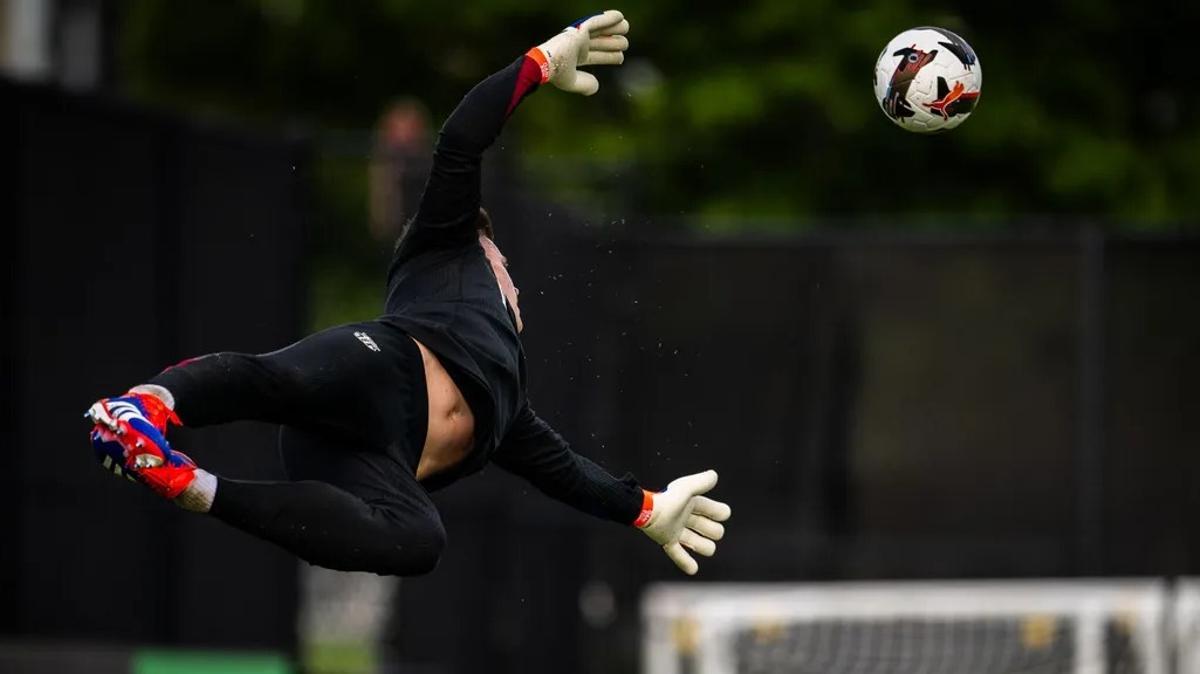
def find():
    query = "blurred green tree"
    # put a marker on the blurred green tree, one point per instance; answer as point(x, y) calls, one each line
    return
point(752, 111)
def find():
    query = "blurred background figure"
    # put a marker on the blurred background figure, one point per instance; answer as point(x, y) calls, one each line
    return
point(400, 161)
point(969, 357)
point(343, 621)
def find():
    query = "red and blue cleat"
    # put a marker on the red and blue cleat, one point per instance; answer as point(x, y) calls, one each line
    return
point(129, 438)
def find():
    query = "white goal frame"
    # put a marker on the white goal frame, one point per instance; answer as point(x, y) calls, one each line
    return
point(1185, 626)
point(709, 615)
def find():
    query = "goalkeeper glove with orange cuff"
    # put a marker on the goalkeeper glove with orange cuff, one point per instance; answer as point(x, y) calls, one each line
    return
point(680, 518)
point(594, 40)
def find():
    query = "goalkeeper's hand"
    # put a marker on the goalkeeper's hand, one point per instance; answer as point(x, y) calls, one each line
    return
point(592, 41)
point(680, 518)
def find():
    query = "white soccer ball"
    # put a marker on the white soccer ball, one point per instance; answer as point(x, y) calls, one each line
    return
point(927, 80)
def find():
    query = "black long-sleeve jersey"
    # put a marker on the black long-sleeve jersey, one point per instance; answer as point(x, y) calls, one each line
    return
point(442, 291)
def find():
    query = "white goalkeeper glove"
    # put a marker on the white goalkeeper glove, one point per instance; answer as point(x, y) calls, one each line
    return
point(592, 41)
point(680, 517)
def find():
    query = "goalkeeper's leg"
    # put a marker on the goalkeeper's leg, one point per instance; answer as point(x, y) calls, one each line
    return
point(349, 509)
point(362, 381)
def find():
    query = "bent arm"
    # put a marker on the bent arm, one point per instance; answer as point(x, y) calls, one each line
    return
point(451, 200)
point(534, 451)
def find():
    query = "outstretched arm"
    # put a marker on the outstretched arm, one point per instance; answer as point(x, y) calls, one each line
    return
point(534, 451)
point(451, 199)
point(450, 203)
point(679, 518)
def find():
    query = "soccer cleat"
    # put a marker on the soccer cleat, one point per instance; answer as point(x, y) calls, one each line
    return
point(129, 439)
point(143, 405)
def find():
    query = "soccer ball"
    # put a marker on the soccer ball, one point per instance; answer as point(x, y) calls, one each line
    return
point(927, 80)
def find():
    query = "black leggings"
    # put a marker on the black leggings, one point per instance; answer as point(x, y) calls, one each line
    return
point(353, 408)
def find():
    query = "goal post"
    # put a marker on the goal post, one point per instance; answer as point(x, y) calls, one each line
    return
point(1075, 626)
point(1185, 626)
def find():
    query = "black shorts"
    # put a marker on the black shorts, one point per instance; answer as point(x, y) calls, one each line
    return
point(359, 385)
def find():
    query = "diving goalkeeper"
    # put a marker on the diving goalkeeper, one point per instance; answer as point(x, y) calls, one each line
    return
point(375, 415)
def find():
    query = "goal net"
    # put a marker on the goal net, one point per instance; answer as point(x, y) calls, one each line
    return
point(1068, 627)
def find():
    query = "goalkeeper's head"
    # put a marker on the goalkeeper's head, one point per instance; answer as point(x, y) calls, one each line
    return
point(499, 263)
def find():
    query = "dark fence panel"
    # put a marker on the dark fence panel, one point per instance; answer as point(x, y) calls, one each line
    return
point(10, 277)
point(1152, 408)
point(138, 239)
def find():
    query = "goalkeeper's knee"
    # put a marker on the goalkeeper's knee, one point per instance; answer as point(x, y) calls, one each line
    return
point(411, 549)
